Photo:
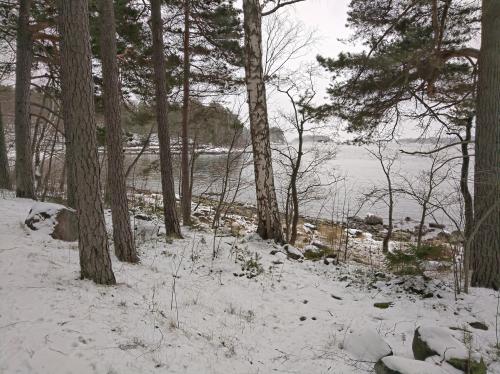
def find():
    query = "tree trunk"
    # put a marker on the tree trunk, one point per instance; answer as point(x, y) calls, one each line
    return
point(468, 202)
point(122, 233)
point(185, 186)
point(24, 56)
point(388, 235)
point(78, 113)
point(295, 173)
point(4, 160)
point(420, 233)
point(269, 224)
point(172, 227)
point(486, 241)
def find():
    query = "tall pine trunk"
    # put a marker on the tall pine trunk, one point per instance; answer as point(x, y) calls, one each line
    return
point(24, 57)
point(486, 239)
point(269, 224)
point(4, 161)
point(79, 115)
point(122, 233)
point(185, 172)
point(172, 227)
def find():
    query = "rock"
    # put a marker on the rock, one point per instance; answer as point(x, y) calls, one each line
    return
point(401, 236)
point(293, 252)
point(479, 325)
point(143, 217)
point(436, 225)
point(146, 230)
point(235, 229)
point(320, 245)
point(329, 261)
point(311, 252)
point(444, 236)
point(372, 219)
point(403, 365)
point(310, 226)
point(383, 305)
point(437, 341)
point(367, 345)
point(59, 221)
point(355, 219)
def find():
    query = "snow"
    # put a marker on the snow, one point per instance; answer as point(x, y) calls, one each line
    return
point(40, 207)
point(367, 345)
point(408, 366)
point(180, 311)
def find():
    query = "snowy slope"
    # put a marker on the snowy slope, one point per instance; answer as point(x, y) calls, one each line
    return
point(216, 321)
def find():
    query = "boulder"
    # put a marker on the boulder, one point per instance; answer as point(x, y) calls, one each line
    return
point(437, 341)
point(372, 219)
point(293, 252)
point(310, 227)
point(436, 225)
point(311, 251)
point(58, 221)
point(479, 325)
point(403, 365)
point(367, 345)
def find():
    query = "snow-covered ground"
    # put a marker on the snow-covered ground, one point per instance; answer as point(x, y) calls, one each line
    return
point(180, 311)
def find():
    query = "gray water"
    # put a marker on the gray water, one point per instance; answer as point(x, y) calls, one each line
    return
point(357, 170)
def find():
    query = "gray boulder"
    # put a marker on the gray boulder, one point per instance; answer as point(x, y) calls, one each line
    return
point(373, 220)
point(58, 221)
point(293, 252)
point(437, 341)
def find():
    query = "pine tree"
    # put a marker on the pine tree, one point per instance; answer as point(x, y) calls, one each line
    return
point(4, 161)
point(122, 233)
point(24, 165)
point(78, 113)
point(172, 227)
point(486, 236)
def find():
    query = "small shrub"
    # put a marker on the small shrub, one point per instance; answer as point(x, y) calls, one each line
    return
point(410, 261)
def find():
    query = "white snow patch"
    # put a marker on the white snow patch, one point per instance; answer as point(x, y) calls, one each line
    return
point(408, 366)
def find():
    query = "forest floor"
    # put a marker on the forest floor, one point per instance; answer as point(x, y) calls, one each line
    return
point(245, 311)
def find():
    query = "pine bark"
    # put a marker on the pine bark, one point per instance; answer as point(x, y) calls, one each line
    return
point(486, 240)
point(24, 57)
point(172, 226)
point(269, 224)
point(4, 161)
point(79, 115)
point(185, 172)
point(122, 233)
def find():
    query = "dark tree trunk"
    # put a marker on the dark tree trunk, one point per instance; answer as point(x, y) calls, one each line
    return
point(4, 161)
point(172, 227)
point(185, 174)
point(388, 235)
point(468, 202)
point(79, 115)
point(269, 223)
point(293, 182)
point(24, 56)
point(486, 241)
point(122, 233)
